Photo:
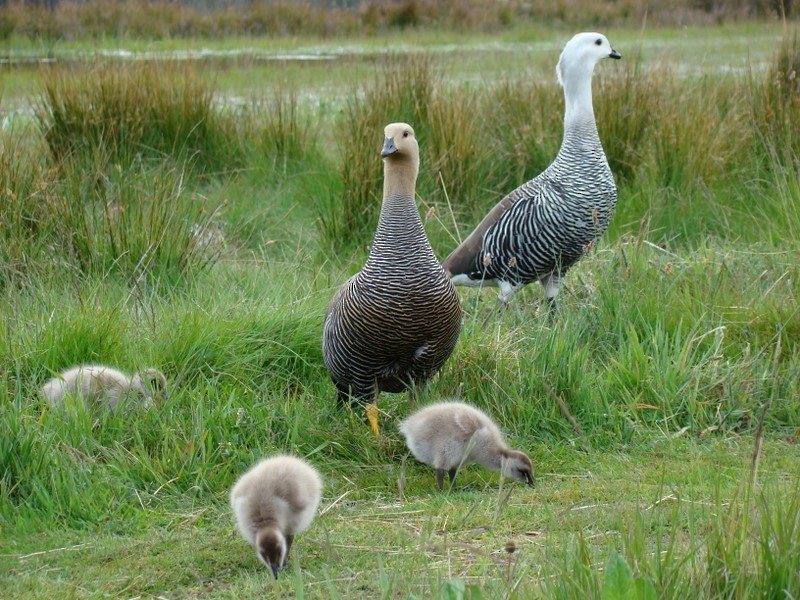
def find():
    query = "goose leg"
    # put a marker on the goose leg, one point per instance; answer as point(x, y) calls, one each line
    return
point(452, 475)
point(440, 479)
point(552, 306)
point(552, 285)
point(372, 417)
point(506, 291)
point(500, 306)
point(412, 393)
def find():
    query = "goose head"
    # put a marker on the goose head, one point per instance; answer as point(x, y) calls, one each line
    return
point(271, 549)
point(151, 383)
point(581, 54)
point(517, 466)
point(400, 143)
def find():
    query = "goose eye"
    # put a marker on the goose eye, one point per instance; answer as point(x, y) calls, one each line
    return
point(405, 134)
point(598, 42)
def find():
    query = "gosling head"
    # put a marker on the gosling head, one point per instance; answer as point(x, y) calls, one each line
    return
point(400, 143)
point(151, 383)
point(517, 466)
point(271, 549)
point(581, 54)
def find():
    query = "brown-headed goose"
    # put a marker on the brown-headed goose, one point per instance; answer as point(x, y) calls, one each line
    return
point(392, 325)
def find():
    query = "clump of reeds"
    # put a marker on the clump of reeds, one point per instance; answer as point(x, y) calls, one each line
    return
point(287, 132)
point(138, 222)
point(130, 112)
point(776, 104)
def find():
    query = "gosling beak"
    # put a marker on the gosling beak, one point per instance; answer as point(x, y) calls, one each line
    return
point(614, 54)
point(529, 479)
point(275, 569)
point(388, 147)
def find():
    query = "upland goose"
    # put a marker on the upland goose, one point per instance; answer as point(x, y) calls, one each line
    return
point(392, 325)
point(273, 502)
point(100, 385)
point(542, 228)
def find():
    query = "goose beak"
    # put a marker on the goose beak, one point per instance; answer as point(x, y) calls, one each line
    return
point(614, 54)
point(388, 147)
point(275, 570)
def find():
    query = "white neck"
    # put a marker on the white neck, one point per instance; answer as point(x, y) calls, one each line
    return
point(578, 96)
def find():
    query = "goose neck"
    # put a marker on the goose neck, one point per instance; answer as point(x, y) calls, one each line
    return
point(490, 454)
point(399, 178)
point(578, 109)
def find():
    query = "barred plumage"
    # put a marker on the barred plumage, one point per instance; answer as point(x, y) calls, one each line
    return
point(394, 324)
point(542, 228)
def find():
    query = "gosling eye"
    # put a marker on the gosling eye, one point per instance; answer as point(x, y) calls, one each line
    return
point(598, 42)
point(405, 134)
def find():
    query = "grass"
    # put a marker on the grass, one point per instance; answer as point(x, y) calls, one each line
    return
point(139, 112)
point(661, 409)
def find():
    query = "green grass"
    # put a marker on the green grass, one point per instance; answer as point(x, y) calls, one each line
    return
point(675, 348)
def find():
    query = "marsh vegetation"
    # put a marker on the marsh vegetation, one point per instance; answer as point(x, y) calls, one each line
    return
point(144, 222)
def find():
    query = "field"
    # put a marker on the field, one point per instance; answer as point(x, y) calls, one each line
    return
point(193, 205)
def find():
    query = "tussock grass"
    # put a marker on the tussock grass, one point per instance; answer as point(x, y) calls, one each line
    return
point(776, 103)
point(122, 113)
point(24, 214)
point(140, 222)
point(288, 134)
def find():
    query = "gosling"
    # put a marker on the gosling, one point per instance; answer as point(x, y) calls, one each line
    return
point(102, 385)
point(450, 434)
point(274, 501)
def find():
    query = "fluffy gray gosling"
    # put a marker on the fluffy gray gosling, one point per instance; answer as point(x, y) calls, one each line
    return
point(450, 434)
point(103, 385)
point(274, 501)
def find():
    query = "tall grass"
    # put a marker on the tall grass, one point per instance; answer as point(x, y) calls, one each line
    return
point(122, 113)
point(24, 214)
point(140, 222)
point(400, 94)
point(747, 551)
point(288, 134)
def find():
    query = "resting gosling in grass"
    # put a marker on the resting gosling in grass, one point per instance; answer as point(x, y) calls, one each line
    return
point(450, 434)
point(274, 501)
point(102, 385)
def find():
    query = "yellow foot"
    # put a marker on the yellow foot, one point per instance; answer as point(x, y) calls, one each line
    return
point(372, 417)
